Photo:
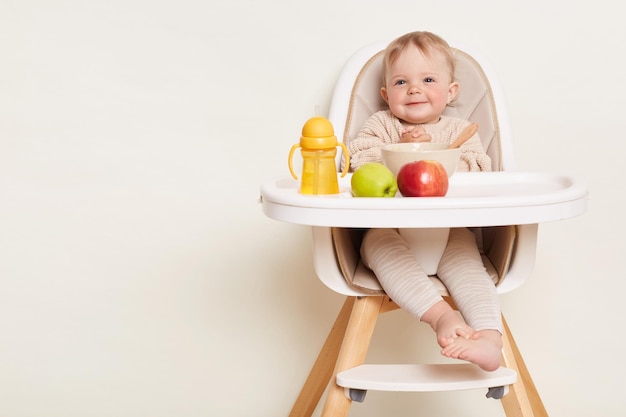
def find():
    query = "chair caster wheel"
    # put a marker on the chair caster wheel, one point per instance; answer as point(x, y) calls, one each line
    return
point(357, 395)
point(497, 392)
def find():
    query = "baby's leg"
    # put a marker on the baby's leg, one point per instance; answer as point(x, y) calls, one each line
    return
point(462, 271)
point(386, 253)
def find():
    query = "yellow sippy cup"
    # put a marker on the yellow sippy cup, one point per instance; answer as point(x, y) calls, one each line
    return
point(319, 148)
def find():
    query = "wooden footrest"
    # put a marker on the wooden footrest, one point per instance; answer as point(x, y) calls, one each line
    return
point(424, 378)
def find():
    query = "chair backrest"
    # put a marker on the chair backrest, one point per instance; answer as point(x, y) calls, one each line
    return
point(357, 96)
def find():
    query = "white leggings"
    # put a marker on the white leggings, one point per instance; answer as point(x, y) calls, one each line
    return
point(461, 270)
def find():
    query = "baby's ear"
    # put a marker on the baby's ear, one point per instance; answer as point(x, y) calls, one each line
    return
point(383, 94)
point(453, 91)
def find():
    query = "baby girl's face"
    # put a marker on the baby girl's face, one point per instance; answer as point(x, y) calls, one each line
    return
point(418, 88)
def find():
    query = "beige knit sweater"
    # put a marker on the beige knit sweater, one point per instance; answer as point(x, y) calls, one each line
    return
point(383, 128)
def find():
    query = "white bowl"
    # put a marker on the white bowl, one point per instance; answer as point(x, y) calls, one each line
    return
point(396, 155)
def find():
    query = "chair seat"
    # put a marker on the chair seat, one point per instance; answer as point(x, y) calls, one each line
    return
point(346, 243)
point(365, 280)
point(424, 378)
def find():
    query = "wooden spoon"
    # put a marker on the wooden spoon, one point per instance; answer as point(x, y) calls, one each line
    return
point(465, 134)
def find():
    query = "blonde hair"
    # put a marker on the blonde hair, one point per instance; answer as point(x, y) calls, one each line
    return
point(426, 42)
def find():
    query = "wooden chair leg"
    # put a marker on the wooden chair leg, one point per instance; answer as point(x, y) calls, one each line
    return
point(324, 365)
point(353, 351)
point(523, 399)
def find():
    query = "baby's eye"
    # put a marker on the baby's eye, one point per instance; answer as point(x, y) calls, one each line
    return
point(400, 82)
point(429, 80)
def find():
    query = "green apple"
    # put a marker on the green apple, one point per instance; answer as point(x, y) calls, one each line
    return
point(373, 180)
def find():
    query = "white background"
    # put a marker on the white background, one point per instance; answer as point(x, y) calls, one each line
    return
point(138, 275)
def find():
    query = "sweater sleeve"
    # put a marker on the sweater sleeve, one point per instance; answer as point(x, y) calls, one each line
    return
point(473, 157)
point(380, 129)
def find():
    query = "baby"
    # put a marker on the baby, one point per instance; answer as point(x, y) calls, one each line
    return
point(418, 85)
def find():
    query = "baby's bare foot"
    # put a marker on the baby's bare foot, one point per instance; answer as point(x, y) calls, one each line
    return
point(484, 349)
point(450, 326)
point(447, 323)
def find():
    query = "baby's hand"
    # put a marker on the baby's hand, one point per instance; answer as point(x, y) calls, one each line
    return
point(414, 134)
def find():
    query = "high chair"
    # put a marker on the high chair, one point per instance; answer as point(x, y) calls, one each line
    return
point(508, 244)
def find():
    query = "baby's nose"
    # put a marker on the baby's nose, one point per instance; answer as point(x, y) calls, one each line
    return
point(414, 89)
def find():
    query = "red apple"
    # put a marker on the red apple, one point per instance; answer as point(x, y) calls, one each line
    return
point(424, 178)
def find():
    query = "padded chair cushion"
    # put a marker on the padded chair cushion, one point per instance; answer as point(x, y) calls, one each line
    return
point(498, 243)
point(475, 102)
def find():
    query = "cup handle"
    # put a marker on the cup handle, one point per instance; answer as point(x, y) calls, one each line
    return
point(346, 166)
point(293, 149)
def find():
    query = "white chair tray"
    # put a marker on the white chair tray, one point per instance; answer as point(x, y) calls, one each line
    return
point(473, 199)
